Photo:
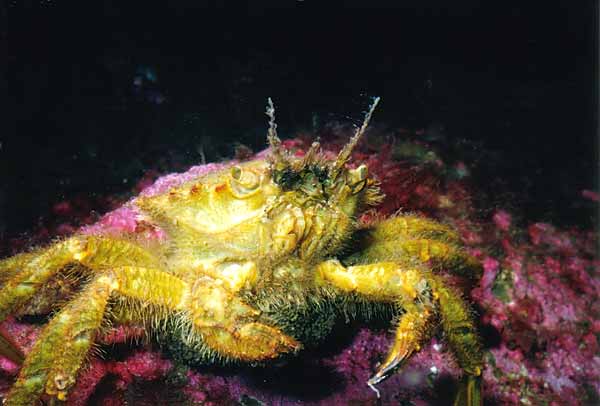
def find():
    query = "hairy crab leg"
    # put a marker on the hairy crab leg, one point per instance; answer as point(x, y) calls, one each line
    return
point(404, 237)
point(63, 345)
point(13, 265)
point(22, 286)
point(66, 340)
point(422, 295)
point(388, 282)
point(403, 226)
point(152, 286)
point(438, 254)
point(27, 273)
point(462, 337)
point(37, 268)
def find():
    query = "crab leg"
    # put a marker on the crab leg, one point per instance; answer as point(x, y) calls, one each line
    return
point(25, 274)
point(65, 342)
point(441, 255)
point(37, 268)
point(413, 226)
point(461, 335)
point(10, 266)
point(403, 237)
point(422, 296)
point(63, 345)
point(34, 273)
point(388, 282)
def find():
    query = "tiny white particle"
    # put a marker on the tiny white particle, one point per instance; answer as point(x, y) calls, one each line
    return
point(437, 347)
point(433, 369)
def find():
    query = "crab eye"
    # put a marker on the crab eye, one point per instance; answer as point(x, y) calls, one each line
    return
point(357, 179)
point(357, 187)
point(243, 183)
point(362, 172)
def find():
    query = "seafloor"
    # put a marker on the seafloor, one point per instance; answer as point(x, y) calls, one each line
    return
point(537, 303)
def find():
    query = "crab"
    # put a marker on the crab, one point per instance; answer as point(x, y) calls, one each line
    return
point(244, 252)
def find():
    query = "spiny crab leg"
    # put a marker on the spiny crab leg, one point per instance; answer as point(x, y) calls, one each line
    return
point(31, 272)
point(388, 282)
point(64, 344)
point(423, 296)
point(409, 236)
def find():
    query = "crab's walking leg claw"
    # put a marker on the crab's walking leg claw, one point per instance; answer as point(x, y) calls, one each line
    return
point(60, 351)
point(411, 332)
point(232, 329)
point(405, 237)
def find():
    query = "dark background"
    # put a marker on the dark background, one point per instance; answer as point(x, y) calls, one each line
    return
point(98, 92)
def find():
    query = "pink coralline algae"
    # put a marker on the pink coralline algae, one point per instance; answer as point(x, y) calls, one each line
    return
point(540, 294)
point(537, 304)
point(502, 220)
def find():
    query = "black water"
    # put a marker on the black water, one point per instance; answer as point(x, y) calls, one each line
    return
point(98, 92)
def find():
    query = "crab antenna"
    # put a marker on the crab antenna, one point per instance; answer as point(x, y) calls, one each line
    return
point(278, 154)
point(311, 154)
point(344, 154)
